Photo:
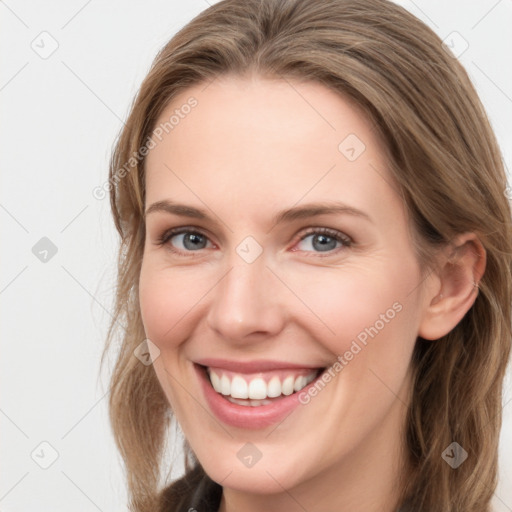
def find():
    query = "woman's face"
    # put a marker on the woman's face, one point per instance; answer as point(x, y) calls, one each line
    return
point(291, 254)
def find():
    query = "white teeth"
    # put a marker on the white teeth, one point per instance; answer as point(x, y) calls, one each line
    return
point(239, 388)
point(287, 388)
point(215, 382)
point(300, 382)
point(257, 390)
point(250, 403)
point(225, 385)
point(274, 387)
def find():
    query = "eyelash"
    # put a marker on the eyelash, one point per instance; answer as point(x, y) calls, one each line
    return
point(346, 241)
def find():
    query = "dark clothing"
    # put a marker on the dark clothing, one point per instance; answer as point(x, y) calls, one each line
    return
point(207, 496)
point(195, 492)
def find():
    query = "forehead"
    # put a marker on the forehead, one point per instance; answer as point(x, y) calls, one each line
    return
point(261, 113)
point(246, 140)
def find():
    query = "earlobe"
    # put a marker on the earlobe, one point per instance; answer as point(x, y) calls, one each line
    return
point(459, 277)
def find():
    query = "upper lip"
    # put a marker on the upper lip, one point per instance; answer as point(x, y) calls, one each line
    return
point(252, 366)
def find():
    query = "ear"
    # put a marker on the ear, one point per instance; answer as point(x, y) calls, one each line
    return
point(462, 266)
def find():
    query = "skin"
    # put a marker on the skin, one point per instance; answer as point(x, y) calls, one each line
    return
point(250, 148)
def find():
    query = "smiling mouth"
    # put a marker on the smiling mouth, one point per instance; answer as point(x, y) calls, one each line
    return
point(261, 388)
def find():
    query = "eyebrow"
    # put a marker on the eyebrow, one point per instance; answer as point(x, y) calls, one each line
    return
point(288, 215)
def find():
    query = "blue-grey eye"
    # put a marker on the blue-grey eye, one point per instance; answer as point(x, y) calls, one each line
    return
point(319, 242)
point(190, 240)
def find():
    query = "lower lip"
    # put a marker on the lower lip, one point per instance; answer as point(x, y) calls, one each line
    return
point(248, 417)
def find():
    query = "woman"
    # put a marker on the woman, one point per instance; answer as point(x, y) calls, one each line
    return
point(316, 258)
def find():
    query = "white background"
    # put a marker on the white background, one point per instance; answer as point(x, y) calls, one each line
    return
point(60, 116)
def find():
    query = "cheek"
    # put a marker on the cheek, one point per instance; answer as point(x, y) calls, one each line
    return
point(359, 305)
point(169, 298)
point(367, 315)
point(159, 304)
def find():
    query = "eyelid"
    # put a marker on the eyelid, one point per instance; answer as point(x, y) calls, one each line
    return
point(334, 233)
point(346, 240)
point(165, 237)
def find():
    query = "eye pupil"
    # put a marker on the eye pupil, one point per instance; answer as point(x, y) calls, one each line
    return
point(327, 243)
point(193, 241)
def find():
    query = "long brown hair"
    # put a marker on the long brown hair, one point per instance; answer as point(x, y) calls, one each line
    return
point(446, 160)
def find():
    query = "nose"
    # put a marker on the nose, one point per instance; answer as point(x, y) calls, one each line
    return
point(246, 303)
